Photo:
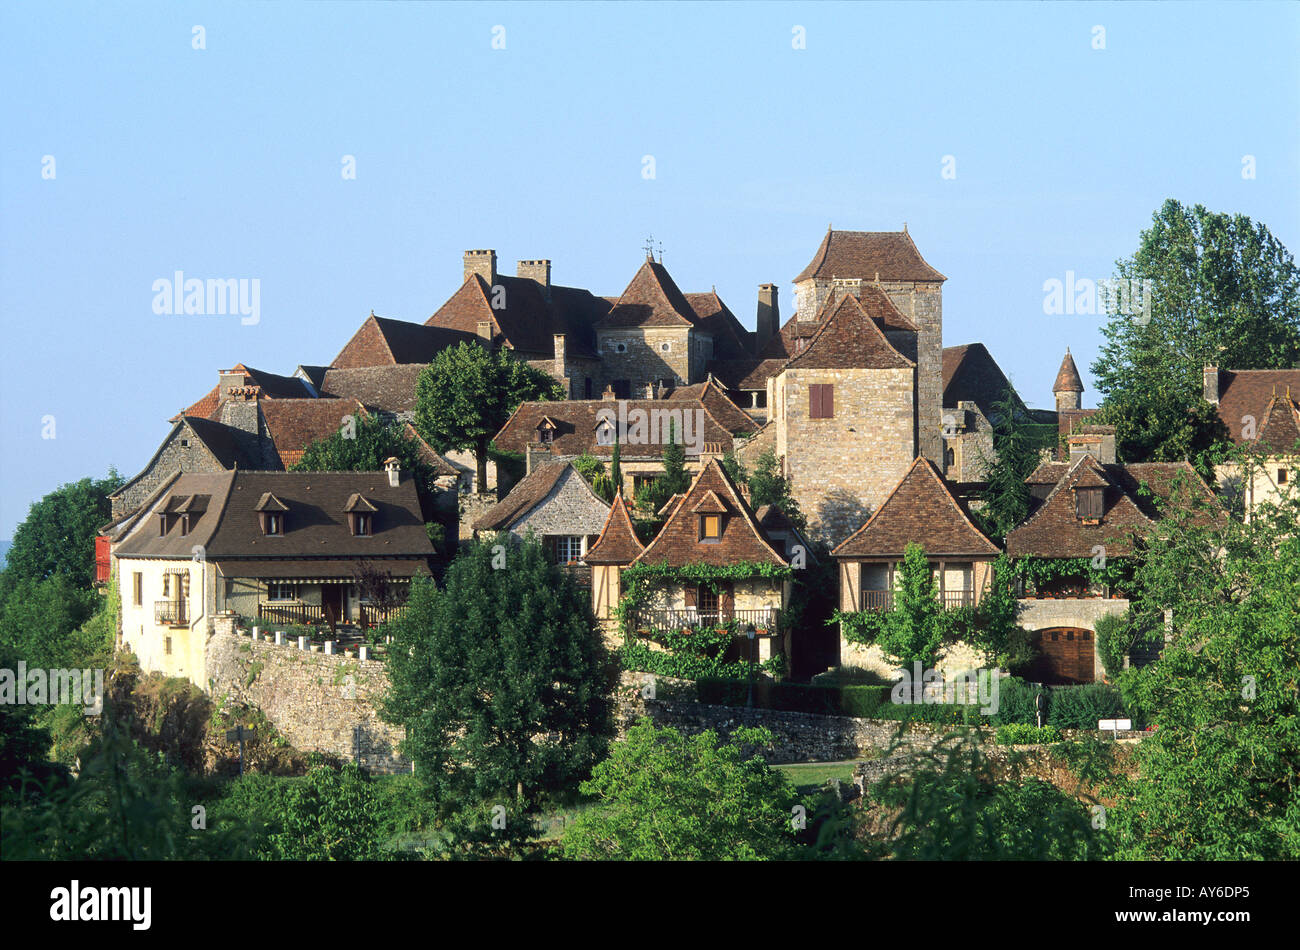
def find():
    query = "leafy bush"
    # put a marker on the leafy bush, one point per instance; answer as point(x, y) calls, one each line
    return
point(1079, 707)
point(1016, 702)
point(1017, 733)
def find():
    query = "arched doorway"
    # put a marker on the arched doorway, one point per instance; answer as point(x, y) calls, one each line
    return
point(1066, 655)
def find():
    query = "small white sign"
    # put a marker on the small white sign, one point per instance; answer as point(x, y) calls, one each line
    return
point(1115, 725)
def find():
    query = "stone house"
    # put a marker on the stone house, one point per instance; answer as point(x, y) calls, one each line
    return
point(712, 525)
point(555, 504)
point(1091, 510)
point(972, 384)
point(921, 509)
point(279, 548)
point(1259, 407)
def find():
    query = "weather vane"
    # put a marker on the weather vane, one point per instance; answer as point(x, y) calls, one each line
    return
point(650, 247)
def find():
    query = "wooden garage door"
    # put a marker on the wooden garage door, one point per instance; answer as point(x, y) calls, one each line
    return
point(1065, 655)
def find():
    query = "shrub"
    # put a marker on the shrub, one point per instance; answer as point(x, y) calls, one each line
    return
point(1016, 702)
point(1079, 707)
point(1020, 734)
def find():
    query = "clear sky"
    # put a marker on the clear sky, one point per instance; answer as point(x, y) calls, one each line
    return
point(226, 162)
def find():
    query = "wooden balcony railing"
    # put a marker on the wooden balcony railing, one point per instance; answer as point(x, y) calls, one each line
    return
point(170, 612)
point(884, 599)
point(302, 615)
point(958, 598)
point(373, 615)
point(764, 620)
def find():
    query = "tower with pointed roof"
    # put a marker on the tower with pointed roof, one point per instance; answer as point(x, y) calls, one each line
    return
point(1068, 386)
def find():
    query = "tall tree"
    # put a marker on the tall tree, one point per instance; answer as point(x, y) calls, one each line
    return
point(500, 681)
point(58, 536)
point(1015, 456)
point(767, 486)
point(466, 394)
point(1225, 292)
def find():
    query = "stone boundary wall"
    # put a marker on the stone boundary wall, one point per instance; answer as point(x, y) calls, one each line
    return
point(317, 702)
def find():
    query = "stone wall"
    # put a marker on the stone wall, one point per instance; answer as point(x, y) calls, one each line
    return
point(1080, 612)
point(318, 703)
point(645, 360)
point(922, 303)
point(181, 451)
point(570, 508)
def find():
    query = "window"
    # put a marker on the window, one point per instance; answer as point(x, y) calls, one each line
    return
point(185, 443)
point(185, 524)
point(274, 523)
point(1281, 476)
point(278, 590)
point(618, 347)
point(710, 527)
point(546, 435)
point(707, 599)
point(1088, 503)
point(361, 525)
point(167, 645)
point(821, 401)
point(137, 588)
point(167, 585)
point(949, 458)
point(568, 548)
point(665, 347)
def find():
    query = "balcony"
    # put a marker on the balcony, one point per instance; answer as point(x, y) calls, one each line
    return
point(764, 620)
point(170, 613)
point(953, 599)
point(950, 599)
point(301, 615)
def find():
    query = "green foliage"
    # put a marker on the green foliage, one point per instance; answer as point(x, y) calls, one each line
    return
point(1080, 707)
point(915, 627)
point(1018, 733)
point(767, 486)
point(1116, 637)
point(1226, 293)
point(57, 539)
point(373, 441)
point(466, 394)
point(500, 681)
point(593, 470)
point(1017, 702)
point(328, 816)
point(665, 796)
point(674, 480)
point(1220, 777)
point(48, 623)
point(616, 464)
point(1015, 456)
point(735, 471)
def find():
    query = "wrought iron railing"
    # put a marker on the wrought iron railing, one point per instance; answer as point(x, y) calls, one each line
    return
point(763, 620)
point(170, 612)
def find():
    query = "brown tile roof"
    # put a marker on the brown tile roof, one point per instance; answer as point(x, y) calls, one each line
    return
point(678, 543)
point(747, 374)
point(730, 416)
point(1067, 377)
point(315, 524)
point(338, 569)
point(970, 374)
point(390, 388)
point(1054, 530)
point(529, 321)
point(891, 255)
point(576, 419)
point(294, 424)
point(618, 543)
point(1250, 392)
point(384, 342)
point(731, 341)
point(849, 339)
point(651, 299)
point(528, 493)
point(272, 385)
point(920, 509)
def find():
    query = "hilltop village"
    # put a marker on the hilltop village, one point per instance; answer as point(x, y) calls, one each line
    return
point(882, 433)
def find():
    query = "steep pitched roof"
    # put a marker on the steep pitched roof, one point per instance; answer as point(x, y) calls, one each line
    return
point(1258, 393)
point(891, 255)
point(390, 388)
point(576, 420)
point(294, 424)
point(678, 544)
point(651, 299)
point(731, 341)
point(730, 416)
point(316, 524)
point(849, 339)
point(531, 317)
point(618, 543)
point(970, 374)
point(920, 509)
point(527, 494)
point(221, 440)
point(750, 374)
point(1054, 530)
point(1067, 377)
point(384, 342)
point(272, 385)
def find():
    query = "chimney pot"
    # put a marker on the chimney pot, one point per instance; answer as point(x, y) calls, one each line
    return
point(483, 263)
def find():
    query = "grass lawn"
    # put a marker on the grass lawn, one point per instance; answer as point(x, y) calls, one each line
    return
point(816, 774)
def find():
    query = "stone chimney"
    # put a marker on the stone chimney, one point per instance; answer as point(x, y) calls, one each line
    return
point(394, 469)
point(1210, 384)
point(769, 315)
point(484, 331)
point(1097, 441)
point(607, 393)
point(539, 271)
point(228, 379)
point(483, 263)
point(560, 369)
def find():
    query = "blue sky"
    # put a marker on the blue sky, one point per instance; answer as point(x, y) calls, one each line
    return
point(226, 162)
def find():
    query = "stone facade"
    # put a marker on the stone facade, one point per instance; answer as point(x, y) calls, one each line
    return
point(181, 451)
point(842, 468)
point(968, 443)
point(645, 358)
point(1082, 613)
point(318, 703)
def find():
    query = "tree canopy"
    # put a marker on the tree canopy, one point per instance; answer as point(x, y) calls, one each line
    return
point(58, 536)
point(363, 448)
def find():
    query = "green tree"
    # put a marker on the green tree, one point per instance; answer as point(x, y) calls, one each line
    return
point(675, 479)
point(665, 796)
point(767, 486)
point(593, 470)
point(47, 624)
point(328, 816)
point(1220, 777)
point(616, 464)
point(466, 394)
point(1225, 293)
point(364, 448)
point(914, 627)
point(500, 680)
point(58, 536)
point(1015, 456)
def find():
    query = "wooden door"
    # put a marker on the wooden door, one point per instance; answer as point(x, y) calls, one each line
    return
point(1066, 655)
point(332, 601)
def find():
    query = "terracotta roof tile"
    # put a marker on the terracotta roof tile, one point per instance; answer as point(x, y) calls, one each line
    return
point(1067, 377)
point(294, 424)
point(719, 404)
point(970, 374)
point(384, 342)
point(866, 254)
point(390, 388)
point(618, 543)
point(651, 299)
point(1251, 393)
point(849, 339)
point(531, 318)
point(576, 421)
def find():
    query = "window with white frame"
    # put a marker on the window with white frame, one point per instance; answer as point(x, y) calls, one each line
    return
point(280, 590)
point(568, 548)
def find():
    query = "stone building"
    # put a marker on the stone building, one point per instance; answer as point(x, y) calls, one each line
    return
point(283, 548)
point(1259, 407)
point(553, 503)
point(921, 509)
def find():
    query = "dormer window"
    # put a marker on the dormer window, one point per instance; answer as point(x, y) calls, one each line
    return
point(546, 430)
point(273, 524)
point(710, 528)
point(361, 516)
point(1088, 502)
point(270, 515)
point(604, 432)
point(361, 525)
point(710, 510)
point(185, 524)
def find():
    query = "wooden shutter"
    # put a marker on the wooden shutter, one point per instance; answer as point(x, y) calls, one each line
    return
point(828, 401)
point(692, 594)
point(726, 600)
point(821, 401)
